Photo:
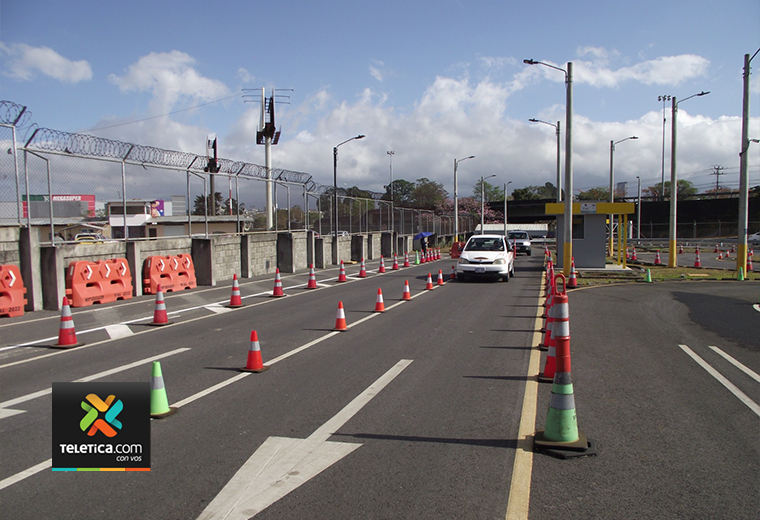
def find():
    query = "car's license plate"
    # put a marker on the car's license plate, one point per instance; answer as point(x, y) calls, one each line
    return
point(480, 269)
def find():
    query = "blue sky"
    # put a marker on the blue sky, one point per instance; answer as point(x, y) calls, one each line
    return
point(430, 80)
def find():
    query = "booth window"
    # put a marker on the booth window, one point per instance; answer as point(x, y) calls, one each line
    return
point(578, 226)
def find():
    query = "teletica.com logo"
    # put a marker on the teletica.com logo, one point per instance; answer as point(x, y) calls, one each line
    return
point(92, 423)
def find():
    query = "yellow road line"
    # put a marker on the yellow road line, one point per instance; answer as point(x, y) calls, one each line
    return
point(518, 503)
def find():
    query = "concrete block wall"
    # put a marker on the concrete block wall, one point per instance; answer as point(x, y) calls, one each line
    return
point(9, 246)
point(344, 249)
point(226, 257)
point(259, 254)
point(300, 250)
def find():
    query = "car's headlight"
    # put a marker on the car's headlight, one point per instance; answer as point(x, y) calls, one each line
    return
point(500, 261)
point(463, 260)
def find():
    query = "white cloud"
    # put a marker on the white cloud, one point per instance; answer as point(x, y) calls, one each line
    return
point(245, 76)
point(170, 76)
point(25, 61)
point(666, 70)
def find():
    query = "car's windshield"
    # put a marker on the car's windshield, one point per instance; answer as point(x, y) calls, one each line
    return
point(485, 244)
point(518, 235)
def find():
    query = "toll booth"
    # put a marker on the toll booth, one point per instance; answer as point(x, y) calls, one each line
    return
point(590, 230)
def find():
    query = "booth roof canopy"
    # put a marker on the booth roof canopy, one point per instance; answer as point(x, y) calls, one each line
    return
point(591, 207)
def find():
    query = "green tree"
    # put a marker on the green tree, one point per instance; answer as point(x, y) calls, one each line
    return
point(547, 191)
point(201, 203)
point(403, 192)
point(492, 192)
point(428, 194)
point(595, 194)
point(685, 189)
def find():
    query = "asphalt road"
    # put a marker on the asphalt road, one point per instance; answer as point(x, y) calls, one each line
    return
point(410, 413)
point(437, 441)
point(673, 441)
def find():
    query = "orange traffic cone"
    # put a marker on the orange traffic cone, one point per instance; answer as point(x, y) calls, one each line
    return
point(277, 292)
point(549, 324)
point(235, 299)
point(407, 293)
point(422, 258)
point(381, 269)
point(440, 277)
point(395, 262)
point(159, 314)
point(550, 366)
point(749, 265)
point(406, 258)
point(312, 278)
point(657, 259)
point(680, 250)
point(697, 261)
point(716, 248)
point(340, 319)
point(751, 253)
point(572, 282)
point(342, 273)
point(429, 284)
point(437, 253)
point(720, 255)
point(254, 363)
point(362, 270)
point(67, 335)
point(379, 305)
point(633, 256)
point(453, 273)
point(728, 253)
point(561, 437)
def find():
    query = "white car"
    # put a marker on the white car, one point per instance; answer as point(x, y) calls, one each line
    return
point(486, 256)
point(754, 238)
point(521, 242)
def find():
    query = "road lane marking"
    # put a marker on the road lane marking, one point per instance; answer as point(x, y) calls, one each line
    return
point(9, 481)
point(744, 398)
point(5, 405)
point(282, 464)
point(518, 501)
point(751, 373)
point(174, 314)
point(118, 330)
point(756, 306)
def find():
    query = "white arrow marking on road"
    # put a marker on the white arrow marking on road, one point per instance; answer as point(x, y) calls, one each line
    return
point(13, 278)
point(89, 271)
point(282, 464)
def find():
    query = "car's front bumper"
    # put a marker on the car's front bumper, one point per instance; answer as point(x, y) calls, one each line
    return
point(483, 269)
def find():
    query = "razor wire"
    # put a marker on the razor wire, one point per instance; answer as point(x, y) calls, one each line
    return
point(14, 114)
point(50, 140)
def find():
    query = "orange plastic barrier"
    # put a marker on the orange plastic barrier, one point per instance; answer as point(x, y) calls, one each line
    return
point(12, 291)
point(456, 249)
point(104, 281)
point(172, 273)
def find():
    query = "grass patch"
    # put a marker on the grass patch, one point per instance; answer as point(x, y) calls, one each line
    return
point(659, 274)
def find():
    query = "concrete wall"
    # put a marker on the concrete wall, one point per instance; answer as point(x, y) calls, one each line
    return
point(259, 254)
point(9, 246)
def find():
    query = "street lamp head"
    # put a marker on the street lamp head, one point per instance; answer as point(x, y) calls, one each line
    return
point(360, 136)
point(634, 137)
point(703, 93)
point(533, 120)
point(529, 62)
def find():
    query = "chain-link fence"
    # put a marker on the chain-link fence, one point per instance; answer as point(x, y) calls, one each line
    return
point(694, 229)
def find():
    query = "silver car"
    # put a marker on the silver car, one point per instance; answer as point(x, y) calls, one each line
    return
point(521, 241)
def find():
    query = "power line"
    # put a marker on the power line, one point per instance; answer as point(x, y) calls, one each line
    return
point(162, 115)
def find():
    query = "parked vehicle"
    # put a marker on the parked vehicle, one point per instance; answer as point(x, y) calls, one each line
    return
point(754, 238)
point(90, 238)
point(486, 256)
point(521, 242)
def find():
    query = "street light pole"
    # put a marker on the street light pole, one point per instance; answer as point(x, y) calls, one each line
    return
point(672, 253)
point(664, 119)
point(638, 212)
point(556, 128)
point(390, 157)
point(505, 208)
point(483, 203)
point(335, 194)
point(567, 248)
point(456, 197)
point(612, 183)
point(741, 257)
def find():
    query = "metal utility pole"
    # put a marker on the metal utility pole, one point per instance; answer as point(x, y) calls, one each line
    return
point(741, 248)
point(456, 197)
point(390, 157)
point(664, 99)
point(717, 174)
point(212, 168)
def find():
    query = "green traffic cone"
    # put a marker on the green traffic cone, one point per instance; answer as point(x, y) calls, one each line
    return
point(159, 404)
point(648, 279)
point(416, 258)
point(740, 275)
